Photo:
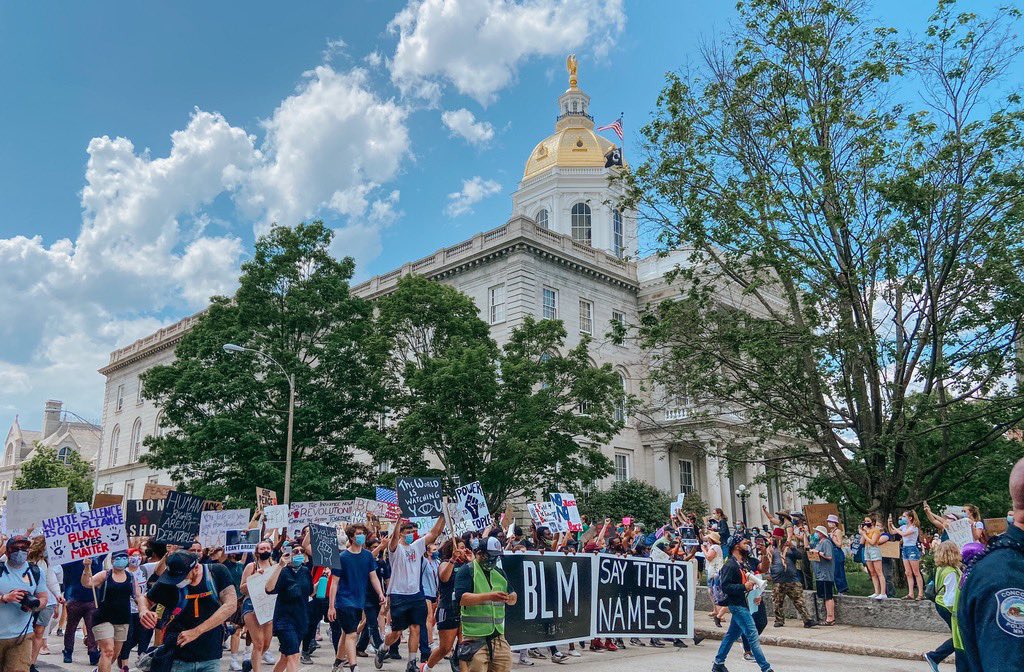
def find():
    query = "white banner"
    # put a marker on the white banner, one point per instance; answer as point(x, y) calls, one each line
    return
point(262, 604)
point(28, 508)
point(471, 513)
point(960, 531)
point(74, 536)
point(213, 525)
point(321, 513)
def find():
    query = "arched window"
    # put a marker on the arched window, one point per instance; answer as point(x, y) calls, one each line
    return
point(9, 454)
point(581, 223)
point(65, 454)
point(620, 402)
point(617, 233)
point(542, 219)
point(158, 429)
point(135, 445)
point(115, 437)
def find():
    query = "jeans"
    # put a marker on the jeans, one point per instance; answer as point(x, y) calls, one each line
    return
point(840, 564)
point(371, 632)
point(760, 622)
point(944, 650)
point(742, 624)
point(77, 610)
point(317, 609)
point(205, 666)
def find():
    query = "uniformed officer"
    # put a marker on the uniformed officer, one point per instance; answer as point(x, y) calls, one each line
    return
point(990, 612)
point(482, 591)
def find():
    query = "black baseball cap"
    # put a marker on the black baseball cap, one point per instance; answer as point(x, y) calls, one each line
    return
point(20, 540)
point(178, 565)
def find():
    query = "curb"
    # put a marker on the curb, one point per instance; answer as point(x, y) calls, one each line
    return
point(820, 645)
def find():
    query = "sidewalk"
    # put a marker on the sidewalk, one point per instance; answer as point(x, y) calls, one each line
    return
point(875, 642)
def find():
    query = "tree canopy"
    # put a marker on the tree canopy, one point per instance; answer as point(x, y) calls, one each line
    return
point(46, 470)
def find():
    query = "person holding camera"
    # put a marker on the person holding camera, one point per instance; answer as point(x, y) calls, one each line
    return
point(23, 592)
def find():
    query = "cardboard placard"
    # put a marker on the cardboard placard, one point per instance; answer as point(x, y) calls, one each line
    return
point(891, 549)
point(142, 516)
point(264, 498)
point(419, 497)
point(181, 519)
point(156, 491)
point(75, 536)
point(104, 499)
point(213, 525)
point(995, 526)
point(324, 541)
point(210, 505)
point(276, 516)
point(28, 508)
point(817, 514)
point(262, 604)
point(567, 511)
point(241, 541)
point(471, 513)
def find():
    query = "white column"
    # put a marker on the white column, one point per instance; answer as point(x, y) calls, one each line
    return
point(761, 494)
point(714, 480)
point(662, 469)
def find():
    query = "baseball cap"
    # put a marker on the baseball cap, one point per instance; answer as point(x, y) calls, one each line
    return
point(179, 564)
point(492, 547)
point(19, 539)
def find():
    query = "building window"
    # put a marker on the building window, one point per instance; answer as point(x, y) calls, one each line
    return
point(158, 429)
point(135, 445)
point(115, 436)
point(550, 309)
point(129, 489)
point(138, 396)
point(108, 488)
point(686, 476)
point(617, 233)
point(581, 223)
point(496, 303)
point(65, 454)
point(620, 402)
point(586, 317)
point(619, 317)
point(9, 454)
point(119, 404)
point(542, 219)
point(152, 479)
point(621, 467)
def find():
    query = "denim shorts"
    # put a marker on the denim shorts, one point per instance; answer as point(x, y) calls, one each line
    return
point(911, 553)
point(288, 637)
point(872, 553)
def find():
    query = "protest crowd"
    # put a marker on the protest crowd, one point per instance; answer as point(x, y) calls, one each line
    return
point(414, 579)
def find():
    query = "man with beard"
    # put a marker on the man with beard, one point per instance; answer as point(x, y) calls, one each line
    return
point(735, 583)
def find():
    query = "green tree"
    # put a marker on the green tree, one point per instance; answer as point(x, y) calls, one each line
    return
point(46, 470)
point(843, 253)
point(507, 417)
point(226, 414)
point(639, 500)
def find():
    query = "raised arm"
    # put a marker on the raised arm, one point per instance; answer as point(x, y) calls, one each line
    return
point(939, 523)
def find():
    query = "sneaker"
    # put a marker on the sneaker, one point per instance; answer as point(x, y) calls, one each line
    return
point(610, 645)
point(60, 632)
point(454, 662)
point(313, 646)
point(362, 654)
point(596, 645)
point(268, 658)
point(932, 663)
point(526, 661)
point(558, 657)
point(748, 657)
point(94, 657)
point(306, 659)
point(810, 624)
point(246, 665)
point(679, 644)
point(67, 657)
point(697, 640)
point(881, 597)
point(411, 666)
point(619, 643)
point(656, 643)
point(719, 667)
point(395, 655)
point(536, 653)
point(575, 653)
point(872, 596)
point(635, 641)
point(379, 656)
point(235, 665)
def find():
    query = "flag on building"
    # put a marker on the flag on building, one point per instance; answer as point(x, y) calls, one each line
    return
point(614, 126)
point(613, 158)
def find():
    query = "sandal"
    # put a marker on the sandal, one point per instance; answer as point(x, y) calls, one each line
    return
point(830, 623)
point(718, 622)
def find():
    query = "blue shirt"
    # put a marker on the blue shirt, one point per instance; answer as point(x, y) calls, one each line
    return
point(353, 575)
point(73, 588)
point(13, 621)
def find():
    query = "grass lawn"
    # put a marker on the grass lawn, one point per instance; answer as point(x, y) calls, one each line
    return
point(859, 582)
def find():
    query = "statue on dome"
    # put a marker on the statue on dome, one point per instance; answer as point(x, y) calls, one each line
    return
point(570, 65)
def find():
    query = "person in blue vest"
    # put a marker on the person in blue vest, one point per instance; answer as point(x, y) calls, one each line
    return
point(990, 609)
point(482, 593)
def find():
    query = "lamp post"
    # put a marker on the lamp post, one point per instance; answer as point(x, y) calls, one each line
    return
point(744, 494)
point(232, 348)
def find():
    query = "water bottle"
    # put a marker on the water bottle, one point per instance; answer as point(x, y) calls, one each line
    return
point(321, 587)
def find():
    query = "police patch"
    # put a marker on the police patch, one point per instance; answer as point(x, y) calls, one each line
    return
point(1010, 611)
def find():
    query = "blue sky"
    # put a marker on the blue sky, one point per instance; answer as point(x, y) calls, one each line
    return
point(145, 144)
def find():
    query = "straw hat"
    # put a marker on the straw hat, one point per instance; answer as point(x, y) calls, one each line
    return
point(713, 536)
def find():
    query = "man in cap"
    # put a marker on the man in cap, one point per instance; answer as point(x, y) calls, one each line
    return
point(822, 556)
point(735, 583)
point(19, 582)
point(199, 599)
point(481, 590)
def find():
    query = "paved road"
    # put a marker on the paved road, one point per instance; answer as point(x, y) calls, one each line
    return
point(693, 658)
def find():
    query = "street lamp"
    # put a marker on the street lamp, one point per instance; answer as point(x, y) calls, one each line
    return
point(744, 495)
point(231, 348)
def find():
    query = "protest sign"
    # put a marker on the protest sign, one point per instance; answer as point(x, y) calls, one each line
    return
point(471, 513)
point(423, 525)
point(817, 514)
point(321, 513)
point(674, 507)
point(265, 498)
point(180, 521)
point(544, 515)
point(213, 525)
point(419, 497)
point(102, 499)
point(241, 541)
point(639, 597)
point(324, 541)
point(81, 507)
point(567, 511)
point(74, 536)
point(154, 491)
point(555, 594)
point(262, 604)
point(143, 515)
point(994, 526)
point(211, 505)
point(276, 516)
point(960, 531)
point(28, 508)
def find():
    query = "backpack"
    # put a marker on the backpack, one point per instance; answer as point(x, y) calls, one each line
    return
point(161, 659)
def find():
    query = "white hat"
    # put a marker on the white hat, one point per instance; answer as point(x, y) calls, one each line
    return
point(833, 518)
point(821, 529)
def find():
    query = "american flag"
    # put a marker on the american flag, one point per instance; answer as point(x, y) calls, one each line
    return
point(614, 126)
point(387, 495)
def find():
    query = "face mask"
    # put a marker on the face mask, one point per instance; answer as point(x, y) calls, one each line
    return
point(489, 561)
point(814, 538)
point(297, 560)
point(1009, 520)
point(474, 543)
point(360, 539)
point(120, 563)
point(134, 561)
point(435, 555)
point(18, 557)
point(903, 521)
point(264, 555)
point(409, 538)
point(182, 584)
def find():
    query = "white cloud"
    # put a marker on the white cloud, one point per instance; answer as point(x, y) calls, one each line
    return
point(462, 123)
point(477, 45)
point(473, 191)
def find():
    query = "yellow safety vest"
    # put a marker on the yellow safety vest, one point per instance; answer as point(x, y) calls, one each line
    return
point(483, 620)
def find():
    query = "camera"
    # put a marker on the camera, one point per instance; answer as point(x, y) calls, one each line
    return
point(29, 602)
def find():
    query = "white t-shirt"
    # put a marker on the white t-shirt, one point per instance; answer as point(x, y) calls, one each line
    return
point(140, 580)
point(405, 568)
point(909, 534)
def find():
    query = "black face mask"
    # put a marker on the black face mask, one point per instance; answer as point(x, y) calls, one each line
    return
point(265, 555)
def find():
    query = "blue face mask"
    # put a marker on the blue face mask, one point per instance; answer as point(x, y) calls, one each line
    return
point(1009, 519)
point(297, 560)
point(903, 521)
point(360, 539)
point(120, 563)
point(18, 558)
point(814, 538)
point(436, 555)
point(409, 538)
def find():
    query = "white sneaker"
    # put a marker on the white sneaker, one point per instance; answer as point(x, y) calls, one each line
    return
point(881, 597)
point(575, 653)
point(235, 665)
point(872, 596)
point(268, 658)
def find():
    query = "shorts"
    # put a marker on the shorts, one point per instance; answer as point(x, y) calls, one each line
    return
point(117, 632)
point(44, 615)
point(204, 666)
point(826, 589)
point(410, 611)
point(288, 636)
point(448, 619)
point(15, 654)
point(247, 607)
point(236, 618)
point(348, 619)
point(872, 553)
point(911, 552)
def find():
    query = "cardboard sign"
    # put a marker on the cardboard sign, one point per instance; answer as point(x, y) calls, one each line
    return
point(213, 525)
point(241, 541)
point(567, 511)
point(891, 549)
point(995, 526)
point(262, 604)
point(419, 497)
point(143, 515)
point(103, 499)
point(817, 514)
point(960, 531)
point(471, 513)
point(264, 498)
point(363, 507)
point(28, 508)
point(322, 513)
point(276, 516)
point(75, 536)
point(155, 491)
point(324, 541)
point(181, 519)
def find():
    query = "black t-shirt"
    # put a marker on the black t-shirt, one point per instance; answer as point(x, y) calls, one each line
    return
point(200, 599)
point(115, 600)
point(294, 586)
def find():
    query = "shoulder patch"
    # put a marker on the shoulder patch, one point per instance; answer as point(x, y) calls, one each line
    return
point(1010, 611)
